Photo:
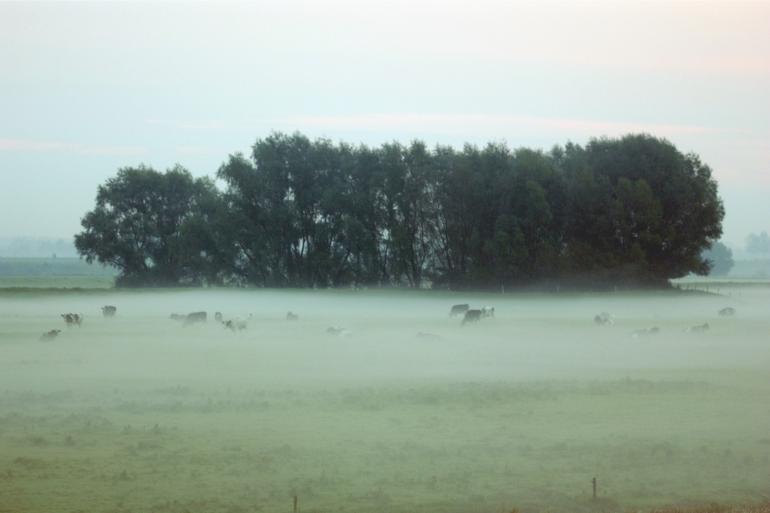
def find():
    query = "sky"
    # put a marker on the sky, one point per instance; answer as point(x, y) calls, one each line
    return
point(88, 88)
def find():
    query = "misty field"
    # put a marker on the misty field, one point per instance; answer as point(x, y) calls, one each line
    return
point(141, 413)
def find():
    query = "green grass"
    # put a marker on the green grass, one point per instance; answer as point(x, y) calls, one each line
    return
point(54, 273)
point(140, 414)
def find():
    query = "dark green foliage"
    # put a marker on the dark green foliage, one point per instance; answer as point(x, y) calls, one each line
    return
point(154, 227)
point(301, 213)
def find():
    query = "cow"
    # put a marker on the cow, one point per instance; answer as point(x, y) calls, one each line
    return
point(235, 325)
point(603, 319)
point(645, 332)
point(218, 317)
point(291, 316)
point(194, 318)
point(487, 311)
point(337, 331)
point(109, 310)
point(727, 312)
point(700, 328)
point(72, 319)
point(458, 310)
point(49, 335)
point(471, 316)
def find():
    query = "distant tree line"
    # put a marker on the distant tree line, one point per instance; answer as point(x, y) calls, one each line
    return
point(758, 244)
point(720, 259)
point(311, 213)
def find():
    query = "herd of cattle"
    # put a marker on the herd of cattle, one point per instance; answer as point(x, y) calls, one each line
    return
point(469, 315)
point(605, 319)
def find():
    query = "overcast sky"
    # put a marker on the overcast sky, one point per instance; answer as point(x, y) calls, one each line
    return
point(88, 88)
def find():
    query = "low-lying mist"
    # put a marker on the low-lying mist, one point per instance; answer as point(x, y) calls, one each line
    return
point(398, 407)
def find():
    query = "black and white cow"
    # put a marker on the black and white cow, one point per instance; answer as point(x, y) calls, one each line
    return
point(49, 335)
point(235, 325)
point(72, 319)
point(603, 319)
point(339, 332)
point(487, 311)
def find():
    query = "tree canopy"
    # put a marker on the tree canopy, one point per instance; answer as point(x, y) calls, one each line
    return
point(154, 227)
point(311, 213)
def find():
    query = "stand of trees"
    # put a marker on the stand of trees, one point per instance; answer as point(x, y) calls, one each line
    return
point(720, 258)
point(758, 244)
point(632, 211)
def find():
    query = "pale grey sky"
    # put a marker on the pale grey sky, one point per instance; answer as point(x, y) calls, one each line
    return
point(88, 88)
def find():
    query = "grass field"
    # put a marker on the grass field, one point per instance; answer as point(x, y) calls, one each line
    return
point(54, 273)
point(141, 414)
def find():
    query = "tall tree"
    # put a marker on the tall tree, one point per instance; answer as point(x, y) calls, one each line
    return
point(682, 197)
point(139, 223)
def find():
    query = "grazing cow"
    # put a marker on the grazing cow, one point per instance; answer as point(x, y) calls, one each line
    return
point(700, 328)
point(218, 317)
point(645, 332)
point(235, 325)
point(49, 335)
point(428, 336)
point(72, 319)
point(291, 316)
point(603, 319)
point(194, 318)
point(337, 331)
point(487, 311)
point(727, 312)
point(109, 310)
point(471, 316)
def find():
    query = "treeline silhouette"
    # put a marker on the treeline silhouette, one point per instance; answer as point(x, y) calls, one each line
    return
point(632, 211)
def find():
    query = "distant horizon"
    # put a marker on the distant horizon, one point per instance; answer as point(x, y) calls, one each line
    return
point(7, 242)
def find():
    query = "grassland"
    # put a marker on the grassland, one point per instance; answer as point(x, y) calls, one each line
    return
point(142, 414)
point(54, 273)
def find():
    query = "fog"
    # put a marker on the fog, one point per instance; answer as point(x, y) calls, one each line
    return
point(140, 412)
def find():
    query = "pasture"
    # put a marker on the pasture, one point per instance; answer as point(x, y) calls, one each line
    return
point(140, 413)
point(54, 273)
